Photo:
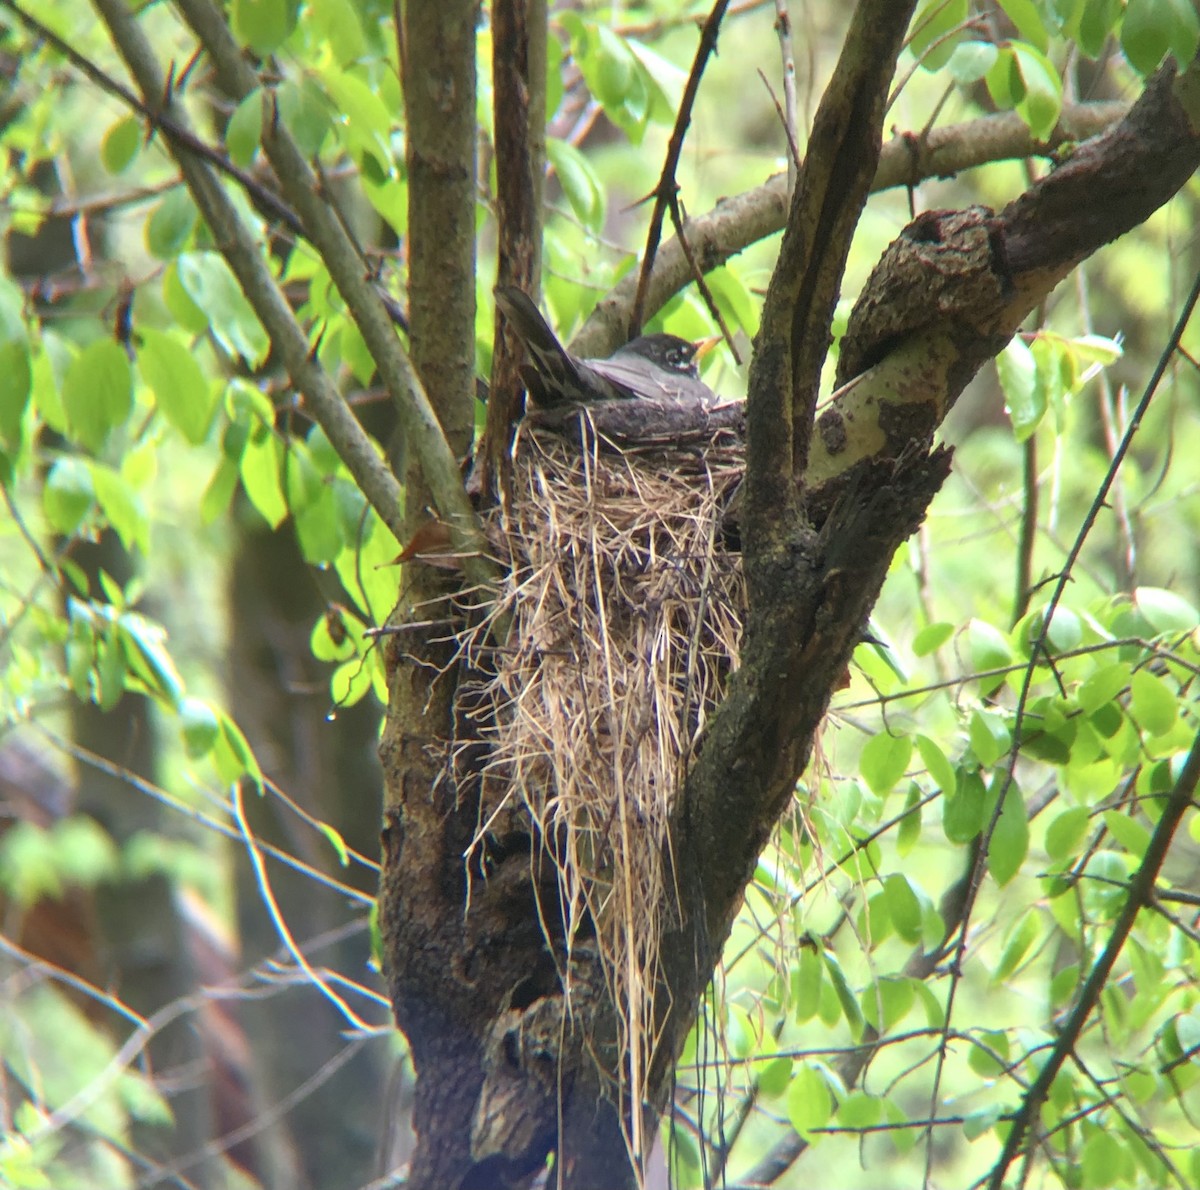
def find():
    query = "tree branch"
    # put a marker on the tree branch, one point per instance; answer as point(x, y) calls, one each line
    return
point(324, 227)
point(666, 192)
point(794, 333)
point(519, 30)
point(246, 259)
point(906, 160)
point(955, 286)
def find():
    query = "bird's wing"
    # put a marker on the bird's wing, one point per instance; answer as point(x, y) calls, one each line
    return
point(653, 384)
point(555, 371)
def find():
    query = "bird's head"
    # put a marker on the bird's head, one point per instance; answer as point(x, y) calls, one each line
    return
point(670, 352)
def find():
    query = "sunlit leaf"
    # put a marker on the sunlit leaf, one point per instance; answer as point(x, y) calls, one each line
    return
point(181, 391)
point(98, 392)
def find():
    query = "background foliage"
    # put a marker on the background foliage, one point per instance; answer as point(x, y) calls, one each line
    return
point(182, 546)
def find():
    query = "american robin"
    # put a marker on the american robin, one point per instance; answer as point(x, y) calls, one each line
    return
point(658, 368)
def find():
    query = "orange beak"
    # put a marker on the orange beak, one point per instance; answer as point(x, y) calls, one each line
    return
point(704, 346)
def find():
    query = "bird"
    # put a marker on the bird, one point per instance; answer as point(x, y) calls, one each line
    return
point(659, 368)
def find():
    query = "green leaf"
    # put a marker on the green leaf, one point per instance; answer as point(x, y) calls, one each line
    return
point(335, 635)
point(233, 756)
point(260, 470)
point(123, 507)
point(981, 1121)
point(845, 997)
point(860, 1110)
point(775, 1077)
point(336, 842)
point(1097, 22)
point(16, 369)
point(1130, 833)
point(1024, 397)
point(98, 392)
point(1102, 1161)
point(262, 24)
point(666, 82)
point(932, 40)
point(909, 830)
point(904, 907)
point(940, 770)
point(68, 494)
point(168, 231)
point(200, 727)
point(182, 393)
point(902, 1137)
point(931, 638)
point(883, 761)
point(971, 61)
point(1154, 28)
point(304, 109)
point(352, 681)
point(963, 809)
point(1041, 102)
point(211, 285)
point(1024, 14)
point(244, 130)
point(990, 1057)
point(893, 996)
point(1065, 835)
point(1102, 687)
point(1010, 840)
point(989, 646)
point(365, 568)
point(1028, 931)
point(809, 1103)
point(146, 650)
point(578, 180)
point(990, 736)
point(1065, 631)
point(337, 25)
point(806, 984)
point(313, 507)
point(84, 851)
point(935, 1010)
point(29, 868)
point(120, 144)
point(1166, 611)
point(219, 492)
point(1152, 703)
point(363, 119)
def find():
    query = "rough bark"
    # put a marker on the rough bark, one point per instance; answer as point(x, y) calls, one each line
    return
point(441, 966)
point(519, 80)
point(509, 1077)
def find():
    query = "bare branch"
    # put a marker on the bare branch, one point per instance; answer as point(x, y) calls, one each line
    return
point(906, 160)
point(1141, 895)
point(519, 114)
point(666, 192)
point(783, 27)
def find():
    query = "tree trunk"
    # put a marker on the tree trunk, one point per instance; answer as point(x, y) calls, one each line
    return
point(508, 1077)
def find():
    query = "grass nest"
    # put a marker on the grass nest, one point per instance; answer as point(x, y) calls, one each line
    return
point(624, 605)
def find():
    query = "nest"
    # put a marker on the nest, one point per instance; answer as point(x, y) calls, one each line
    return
point(623, 612)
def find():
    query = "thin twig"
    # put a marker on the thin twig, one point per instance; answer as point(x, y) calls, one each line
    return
point(783, 27)
point(1141, 895)
point(1037, 653)
point(666, 192)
